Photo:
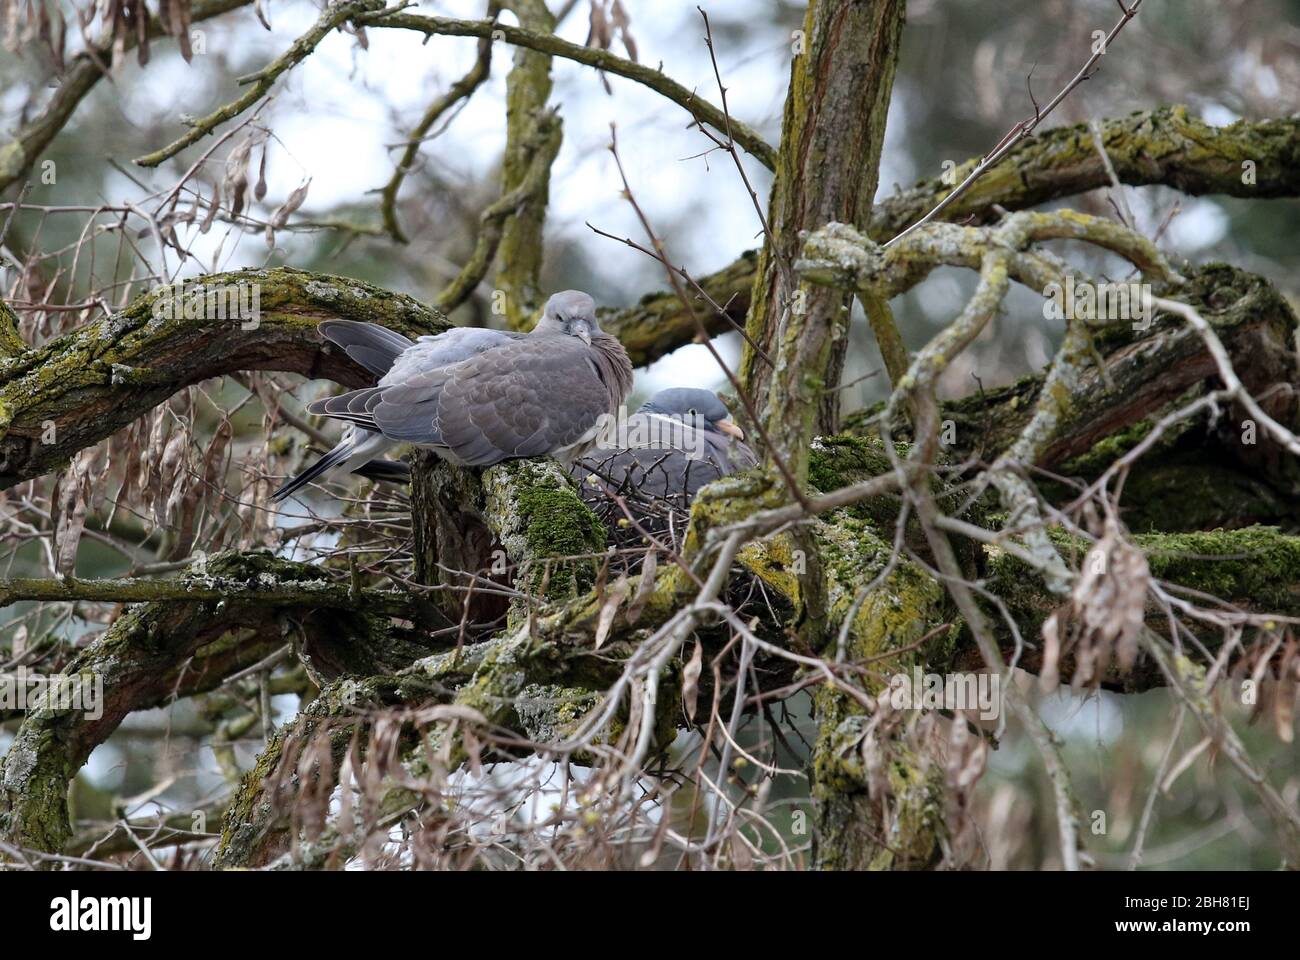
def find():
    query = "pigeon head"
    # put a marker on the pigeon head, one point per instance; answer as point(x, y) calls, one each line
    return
point(571, 313)
point(691, 405)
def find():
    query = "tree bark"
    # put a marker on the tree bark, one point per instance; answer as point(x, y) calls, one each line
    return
point(82, 387)
point(163, 650)
point(528, 87)
point(834, 128)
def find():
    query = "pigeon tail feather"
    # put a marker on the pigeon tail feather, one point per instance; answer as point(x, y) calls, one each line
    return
point(357, 447)
point(331, 459)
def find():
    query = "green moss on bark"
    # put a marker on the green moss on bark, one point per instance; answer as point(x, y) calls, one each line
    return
point(896, 614)
point(535, 511)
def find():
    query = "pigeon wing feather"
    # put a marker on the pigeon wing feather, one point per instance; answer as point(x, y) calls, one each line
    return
point(535, 396)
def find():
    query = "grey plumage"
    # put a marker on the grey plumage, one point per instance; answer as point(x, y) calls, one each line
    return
point(475, 396)
point(676, 442)
point(372, 346)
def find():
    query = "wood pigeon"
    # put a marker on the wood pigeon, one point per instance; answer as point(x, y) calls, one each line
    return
point(476, 396)
point(679, 440)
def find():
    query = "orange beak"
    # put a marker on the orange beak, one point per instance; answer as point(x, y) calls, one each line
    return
point(730, 428)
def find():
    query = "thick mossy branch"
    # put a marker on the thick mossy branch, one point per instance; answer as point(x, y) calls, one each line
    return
point(80, 388)
point(11, 342)
point(535, 512)
point(1166, 146)
point(1256, 568)
point(659, 323)
point(841, 460)
point(1143, 373)
point(827, 171)
point(520, 524)
point(1200, 488)
point(152, 654)
point(532, 142)
point(268, 589)
point(857, 828)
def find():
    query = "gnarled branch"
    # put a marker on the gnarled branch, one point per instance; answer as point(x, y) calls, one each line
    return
point(80, 388)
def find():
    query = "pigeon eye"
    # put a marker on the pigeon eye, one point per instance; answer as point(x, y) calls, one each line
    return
point(691, 412)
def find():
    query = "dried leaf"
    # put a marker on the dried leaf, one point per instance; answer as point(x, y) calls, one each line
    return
point(214, 462)
point(619, 17)
point(216, 254)
point(72, 490)
point(691, 681)
point(213, 205)
point(281, 215)
point(646, 587)
point(1284, 710)
point(181, 27)
point(140, 18)
point(473, 752)
point(1049, 675)
point(235, 180)
point(168, 477)
point(30, 22)
point(613, 597)
point(1109, 604)
point(347, 774)
point(259, 192)
point(9, 13)
point(1284, 695)
point(59, 44)
point(597, 27)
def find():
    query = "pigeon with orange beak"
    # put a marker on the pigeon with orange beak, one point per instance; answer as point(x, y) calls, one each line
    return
point(677, 441)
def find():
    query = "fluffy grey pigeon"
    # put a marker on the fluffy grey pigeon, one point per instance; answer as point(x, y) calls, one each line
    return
point(474, 396)
point(679, 440)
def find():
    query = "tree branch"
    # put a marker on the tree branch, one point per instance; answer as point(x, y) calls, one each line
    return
point(316, 592)
point(79, 389)
point(18, 155)
point(831, 139)
point(1165, 146)
point(459, 92)
point(151, 654)
point(700, 109)
point(533, 134)
point(332, 17)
